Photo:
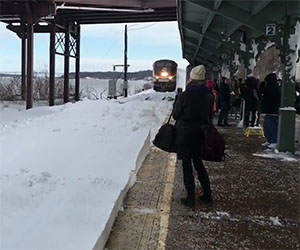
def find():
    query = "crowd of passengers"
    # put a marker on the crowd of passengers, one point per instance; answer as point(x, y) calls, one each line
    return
point(194, 109)
point(250, 98)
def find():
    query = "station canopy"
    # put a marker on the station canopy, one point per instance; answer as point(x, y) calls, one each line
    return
point(211, 29)
point(88, 11)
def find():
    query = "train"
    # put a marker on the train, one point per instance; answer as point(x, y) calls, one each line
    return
point(164, 75)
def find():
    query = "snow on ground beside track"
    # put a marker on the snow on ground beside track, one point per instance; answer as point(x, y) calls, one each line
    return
point(63, 167)
point(96, 89)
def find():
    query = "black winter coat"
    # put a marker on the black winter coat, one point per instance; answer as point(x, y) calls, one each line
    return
point(193, 112)
point(270, 102)
point(252, 97)
point(224, 93)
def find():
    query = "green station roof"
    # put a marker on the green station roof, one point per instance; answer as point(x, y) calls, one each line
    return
point(210, 29)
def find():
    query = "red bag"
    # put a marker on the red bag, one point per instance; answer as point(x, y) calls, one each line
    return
point(214, 146)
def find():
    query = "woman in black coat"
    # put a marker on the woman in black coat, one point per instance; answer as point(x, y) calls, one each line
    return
point(193, 111)
point(270, 107)
point(252, 97)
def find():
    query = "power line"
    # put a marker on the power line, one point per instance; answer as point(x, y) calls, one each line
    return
point(113, 44)
point(142, 27)
point(133, 25)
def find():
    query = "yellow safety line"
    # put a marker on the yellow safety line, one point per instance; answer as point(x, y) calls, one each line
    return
point(166, 203)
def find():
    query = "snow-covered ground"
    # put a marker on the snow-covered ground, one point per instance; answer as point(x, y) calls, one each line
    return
point(97, 89)
point(62, 167)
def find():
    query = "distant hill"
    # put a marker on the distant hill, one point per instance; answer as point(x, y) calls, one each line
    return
point(101, 75)
point(111, 75)
point(9, 75)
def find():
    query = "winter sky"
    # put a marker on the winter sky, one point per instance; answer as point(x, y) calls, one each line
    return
point(101, 47)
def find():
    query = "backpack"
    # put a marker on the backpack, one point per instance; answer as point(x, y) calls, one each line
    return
point(213, 147)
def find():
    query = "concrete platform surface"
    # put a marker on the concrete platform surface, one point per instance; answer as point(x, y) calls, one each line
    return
point(138, 225)
point(256, 204)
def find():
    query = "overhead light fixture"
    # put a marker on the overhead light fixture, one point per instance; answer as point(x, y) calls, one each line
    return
point(10, 19)
point(64, 7)
point(16, 24)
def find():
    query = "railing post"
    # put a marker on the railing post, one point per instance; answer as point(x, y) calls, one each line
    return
point(30, 38)
point(67, 64)
point(52, 66)
point(77, 66)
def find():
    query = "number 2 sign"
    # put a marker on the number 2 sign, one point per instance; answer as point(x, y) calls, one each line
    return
point(270, 29)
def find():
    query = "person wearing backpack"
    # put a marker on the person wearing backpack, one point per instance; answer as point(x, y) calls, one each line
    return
point(193, 112)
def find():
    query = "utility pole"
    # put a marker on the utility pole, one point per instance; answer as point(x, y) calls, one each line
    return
point(125, 86)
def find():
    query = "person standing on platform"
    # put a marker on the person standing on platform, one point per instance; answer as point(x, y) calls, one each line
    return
point(252, 98)
point(210, 84)
point(270, 104)
point(193, 111)
point(224, 102)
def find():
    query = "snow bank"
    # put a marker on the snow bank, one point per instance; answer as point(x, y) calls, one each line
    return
point(62, 168)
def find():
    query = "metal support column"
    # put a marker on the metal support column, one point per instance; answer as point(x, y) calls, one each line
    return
point(125, 87)
point(52, 66)
point(67, 64)
point(287, 113)
point(247, 55)
point(231, 67)
point(77, 66)
point(29, 100)
point(23, 69)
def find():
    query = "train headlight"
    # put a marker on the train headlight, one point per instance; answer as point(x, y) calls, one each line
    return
point(164, 74)
point(170, 77)
point(156, 77)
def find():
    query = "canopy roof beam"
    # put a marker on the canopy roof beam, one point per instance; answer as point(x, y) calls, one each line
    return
point(204, 52)
point(214, 36)
point(217, 4)
point(205, 47)
point(206, 57)
point(235, 14)
point(208, 22)
point(122, 3)
point(198, 59)
point(259, 5)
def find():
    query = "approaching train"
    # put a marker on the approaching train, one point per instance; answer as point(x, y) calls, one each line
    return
point(164, 75)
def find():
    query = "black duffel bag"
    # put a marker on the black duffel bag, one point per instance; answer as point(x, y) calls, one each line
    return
point(165, 138)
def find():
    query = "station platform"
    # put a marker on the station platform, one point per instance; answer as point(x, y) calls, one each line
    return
point(256, 203)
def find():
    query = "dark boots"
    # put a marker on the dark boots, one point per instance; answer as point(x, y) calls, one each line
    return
point(188, 202)
point(206, 198)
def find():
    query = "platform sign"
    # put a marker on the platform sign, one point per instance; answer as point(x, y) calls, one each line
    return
point(270, 29)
